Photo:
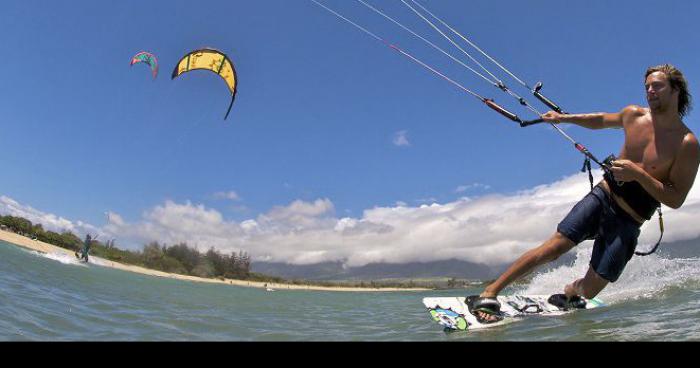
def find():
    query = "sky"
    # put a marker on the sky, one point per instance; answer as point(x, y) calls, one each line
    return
point(337, 147)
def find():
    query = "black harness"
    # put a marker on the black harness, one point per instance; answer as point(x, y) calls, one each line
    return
point(607, 163)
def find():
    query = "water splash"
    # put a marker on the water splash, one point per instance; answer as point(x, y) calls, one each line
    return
point(643, 278)
point(61, 257)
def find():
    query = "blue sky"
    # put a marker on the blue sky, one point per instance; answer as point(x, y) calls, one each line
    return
point(325, 116)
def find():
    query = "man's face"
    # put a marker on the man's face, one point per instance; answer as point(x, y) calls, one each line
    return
point(660, 94)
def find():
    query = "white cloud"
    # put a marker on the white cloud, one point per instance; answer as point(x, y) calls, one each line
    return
point(464, 188)
point(425, 200)
point(231, 195)
point(492, 229)
point(401, 139)
point(9, 206)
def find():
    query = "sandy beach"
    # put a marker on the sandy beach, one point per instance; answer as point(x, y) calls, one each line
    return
point(42, 247)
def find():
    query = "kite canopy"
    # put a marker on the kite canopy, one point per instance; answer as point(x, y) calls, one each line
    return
point(148, 59)
point(214, 61)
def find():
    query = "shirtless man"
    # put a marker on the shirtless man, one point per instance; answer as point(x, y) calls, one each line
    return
point(658, 163)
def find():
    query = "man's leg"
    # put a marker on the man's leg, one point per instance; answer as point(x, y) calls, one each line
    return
point(549, 251)
point(588, 287)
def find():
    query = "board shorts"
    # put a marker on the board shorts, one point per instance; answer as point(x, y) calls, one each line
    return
point(597, 216)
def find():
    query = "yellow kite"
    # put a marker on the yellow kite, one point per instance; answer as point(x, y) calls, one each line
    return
point(214, 61)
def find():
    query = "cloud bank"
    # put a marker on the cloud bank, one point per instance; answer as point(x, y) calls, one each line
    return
point(491, 229)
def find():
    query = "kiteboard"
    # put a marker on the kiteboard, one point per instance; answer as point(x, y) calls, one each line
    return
point(456, 313)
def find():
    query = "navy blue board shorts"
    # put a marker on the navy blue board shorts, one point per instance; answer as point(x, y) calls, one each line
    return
point(598, 217)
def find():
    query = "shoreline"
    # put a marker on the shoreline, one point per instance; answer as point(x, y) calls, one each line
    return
point(46, 248)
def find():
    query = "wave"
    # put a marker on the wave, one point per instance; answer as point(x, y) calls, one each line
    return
point(643, 278)
point(67, 259)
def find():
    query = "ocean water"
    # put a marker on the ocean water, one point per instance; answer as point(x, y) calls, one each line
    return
point(54, 298)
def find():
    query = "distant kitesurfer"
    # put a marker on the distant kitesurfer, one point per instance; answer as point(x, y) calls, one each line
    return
point(657, 164)
point(83, 254)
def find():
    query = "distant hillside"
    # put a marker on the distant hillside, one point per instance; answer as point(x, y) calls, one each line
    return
point(332, 271)
point(680, 249)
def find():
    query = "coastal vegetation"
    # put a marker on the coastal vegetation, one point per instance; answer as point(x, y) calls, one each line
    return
point(179, 258)
point(185, 260)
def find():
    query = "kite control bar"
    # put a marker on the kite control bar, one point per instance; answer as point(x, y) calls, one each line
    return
point(544, 100)
point(509, 115)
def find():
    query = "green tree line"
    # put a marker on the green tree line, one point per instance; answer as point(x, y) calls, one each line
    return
point(183, 259)
point(179, 258)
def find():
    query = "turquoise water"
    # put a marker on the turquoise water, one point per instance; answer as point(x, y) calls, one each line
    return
point(54, 298)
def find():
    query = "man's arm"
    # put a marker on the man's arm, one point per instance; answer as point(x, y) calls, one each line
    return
point(681, 177)
point(598, 120)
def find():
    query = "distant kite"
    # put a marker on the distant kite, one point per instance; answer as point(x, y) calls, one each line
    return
point(214, 61)
point(148, 59)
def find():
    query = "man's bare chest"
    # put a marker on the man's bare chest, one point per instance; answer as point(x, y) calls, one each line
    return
point(653, 150)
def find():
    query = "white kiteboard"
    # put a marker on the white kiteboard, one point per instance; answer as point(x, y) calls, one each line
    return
point(455, 313)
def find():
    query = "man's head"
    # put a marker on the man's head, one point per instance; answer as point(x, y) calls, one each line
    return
point(664, 86)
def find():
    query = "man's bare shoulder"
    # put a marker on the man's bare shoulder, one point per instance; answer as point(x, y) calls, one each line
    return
point(690, 143)
point(632, 115)
point(634, 111)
